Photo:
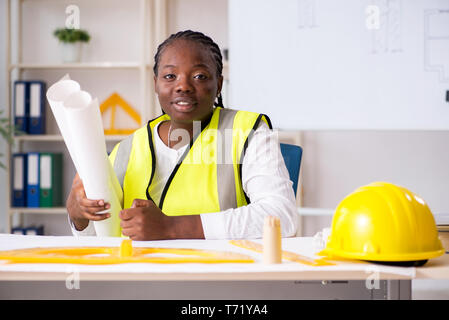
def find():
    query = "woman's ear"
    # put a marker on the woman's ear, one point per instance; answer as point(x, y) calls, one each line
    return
point(219, 84)
point(155, 86)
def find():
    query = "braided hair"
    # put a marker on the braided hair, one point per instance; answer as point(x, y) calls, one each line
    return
point(197, 37)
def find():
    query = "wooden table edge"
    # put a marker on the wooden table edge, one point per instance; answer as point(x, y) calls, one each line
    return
point(231, 276)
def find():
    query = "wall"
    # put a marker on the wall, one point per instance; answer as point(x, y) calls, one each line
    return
point(337, 162)
point(319, 67)
point(213, 21)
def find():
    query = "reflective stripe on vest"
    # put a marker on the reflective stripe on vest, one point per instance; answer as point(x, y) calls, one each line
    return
point(122, 158)
point(209, 177)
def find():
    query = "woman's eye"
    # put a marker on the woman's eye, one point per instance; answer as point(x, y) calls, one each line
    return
point(169, 76)
point(200, 76)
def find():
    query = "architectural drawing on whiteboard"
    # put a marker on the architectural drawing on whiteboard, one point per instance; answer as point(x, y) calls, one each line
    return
point(436, 43)
point(383, 20)
point(306, 14)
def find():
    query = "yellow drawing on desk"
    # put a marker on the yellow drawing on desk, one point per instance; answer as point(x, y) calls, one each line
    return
point(123, 254)
point(114, 101)
point(287, 255)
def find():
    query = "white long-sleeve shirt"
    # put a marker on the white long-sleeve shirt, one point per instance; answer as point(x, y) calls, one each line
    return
point(265, 180)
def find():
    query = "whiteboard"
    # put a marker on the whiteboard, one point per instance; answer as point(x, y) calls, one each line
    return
point(353, 64)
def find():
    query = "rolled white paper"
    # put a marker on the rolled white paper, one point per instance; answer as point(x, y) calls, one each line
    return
point(56, 94)
point(79, 120)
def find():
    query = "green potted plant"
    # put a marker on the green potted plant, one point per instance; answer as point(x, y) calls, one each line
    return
point(71, 41)
point(7, 132)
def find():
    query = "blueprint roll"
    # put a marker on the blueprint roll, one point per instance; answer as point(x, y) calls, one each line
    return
point(79, 120)
point(56, 95)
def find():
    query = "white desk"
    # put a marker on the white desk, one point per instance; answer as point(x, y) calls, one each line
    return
point(289, 280)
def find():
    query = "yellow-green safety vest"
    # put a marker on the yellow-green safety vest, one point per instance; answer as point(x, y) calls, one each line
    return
point(208, 176)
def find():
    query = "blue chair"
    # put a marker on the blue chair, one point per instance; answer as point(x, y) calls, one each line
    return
point(292, 155)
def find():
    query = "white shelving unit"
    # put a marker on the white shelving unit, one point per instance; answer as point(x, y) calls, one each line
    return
point(152, 21)
point(85, 65)
point(56, 210)
point(58, 137)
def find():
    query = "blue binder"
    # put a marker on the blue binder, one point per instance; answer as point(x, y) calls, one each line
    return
point(29, 231)
point(18, 230)
point(33, 180)
point(34, 230)
point(19, 185)
point(21, 105)
point(36, 118)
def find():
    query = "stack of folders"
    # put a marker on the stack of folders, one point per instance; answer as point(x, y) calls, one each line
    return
point(37, 179)
point(29, 106)
point(32, 230)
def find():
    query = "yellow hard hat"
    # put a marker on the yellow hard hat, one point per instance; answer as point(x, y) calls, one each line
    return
point(382, 222)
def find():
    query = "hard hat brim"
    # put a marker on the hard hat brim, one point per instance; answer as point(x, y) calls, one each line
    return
point(382, 257)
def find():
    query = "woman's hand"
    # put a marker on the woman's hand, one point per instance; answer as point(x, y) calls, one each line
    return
point(81, 209)
point(145, 221)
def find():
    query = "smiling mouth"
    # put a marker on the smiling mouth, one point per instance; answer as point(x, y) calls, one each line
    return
point(184, 106)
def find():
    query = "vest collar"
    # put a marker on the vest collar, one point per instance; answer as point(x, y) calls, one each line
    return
point(151, 124)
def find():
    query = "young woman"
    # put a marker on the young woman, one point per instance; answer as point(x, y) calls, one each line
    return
point(199, 170)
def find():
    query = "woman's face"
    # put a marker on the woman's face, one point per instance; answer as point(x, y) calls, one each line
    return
point(187, 82)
